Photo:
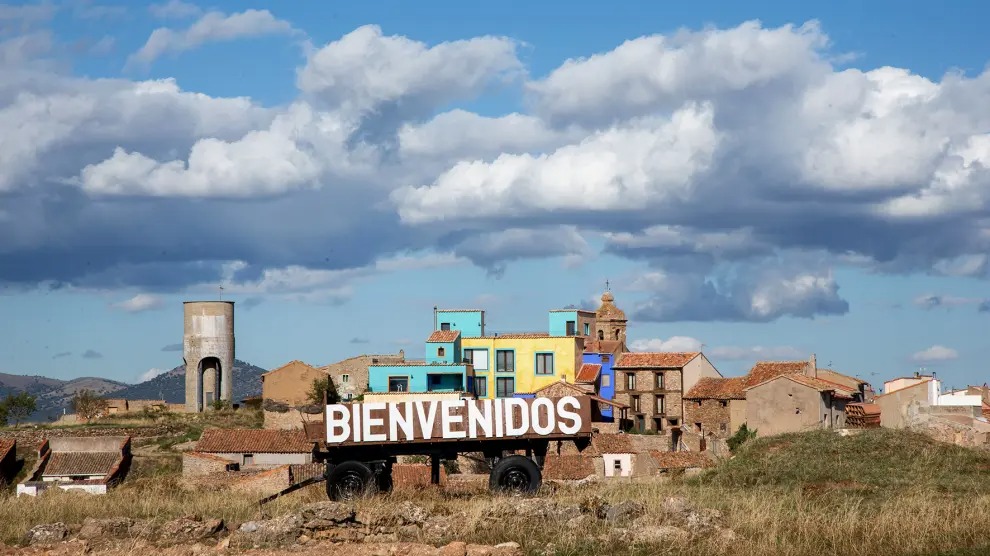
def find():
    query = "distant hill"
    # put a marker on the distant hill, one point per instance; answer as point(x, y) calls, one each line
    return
point(171, 386)
point(55, 396)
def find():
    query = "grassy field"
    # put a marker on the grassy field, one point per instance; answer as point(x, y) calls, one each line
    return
point(878, 493)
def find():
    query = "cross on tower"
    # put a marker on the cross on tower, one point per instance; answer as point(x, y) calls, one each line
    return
point(606, 285)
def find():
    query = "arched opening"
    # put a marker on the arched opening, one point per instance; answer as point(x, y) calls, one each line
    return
point(601, 334)
point(616, 333)
point(209, 381)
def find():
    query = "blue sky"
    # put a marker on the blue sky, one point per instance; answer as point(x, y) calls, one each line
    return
point(766, 180)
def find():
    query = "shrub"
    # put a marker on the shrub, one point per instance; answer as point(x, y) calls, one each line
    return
point(742, 435)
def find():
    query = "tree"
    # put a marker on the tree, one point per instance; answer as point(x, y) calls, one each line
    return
point(3, 414)
point(18, 407)
point(319, 387)
point(742, 435)
point(87, 405)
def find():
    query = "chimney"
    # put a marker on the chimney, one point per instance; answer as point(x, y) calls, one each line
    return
point(917, 374)
point(402, 354)
point(812, 366)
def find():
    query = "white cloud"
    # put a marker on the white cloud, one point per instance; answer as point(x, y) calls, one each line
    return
point(140, 303)
point(211, 27)
point(674, 343)
point(31, 13)
point(936, 353)
point(150, 374)
point(932, 301)
point(644, 163)
point(174, 9)
point(757, 353)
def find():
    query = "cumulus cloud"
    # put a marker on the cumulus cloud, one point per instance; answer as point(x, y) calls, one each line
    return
point(150, 374)
point(934, 354)
point(92, 354)
point(211, 27)
point(493, 250)
point(932, 301)
point(761, 353)
point(140, 303)
point(674, 343)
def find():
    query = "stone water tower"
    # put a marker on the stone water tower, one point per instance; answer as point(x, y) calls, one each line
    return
point(208, 352)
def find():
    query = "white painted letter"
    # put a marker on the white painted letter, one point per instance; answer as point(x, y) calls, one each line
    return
point(356, 420)
point(499, 417)
point(564, 413)
point(397, 420)
point(510, 428)
point(551, 416)
point(447, 419)
point(426, 425)
point(476, 418)
point(370, 421)
point(338, 419)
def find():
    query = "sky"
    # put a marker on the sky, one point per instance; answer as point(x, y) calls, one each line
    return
point(759, 180)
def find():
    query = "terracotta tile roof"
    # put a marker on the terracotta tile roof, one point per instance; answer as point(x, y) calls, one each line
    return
point(80, 463)
point(580, 392)
point(864, 408)
point(668, 360)
point(443, 336)
point(849, 382)
point(254, 441)
point(681, 460)
point(6, 445)
point(569, 467)
point(815, 383)
point(602, 346)
point(524, 335)
point(289, 364)
point(209, 457)
point(612, 444)
point(763, 371)
point(588, 372)
point(718, 389)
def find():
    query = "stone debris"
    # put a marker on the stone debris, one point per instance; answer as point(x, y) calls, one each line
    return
point(624, 511)
point(47, 533)
point(188, 529)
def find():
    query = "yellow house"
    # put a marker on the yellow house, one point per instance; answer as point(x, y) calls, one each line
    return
point(505, 364)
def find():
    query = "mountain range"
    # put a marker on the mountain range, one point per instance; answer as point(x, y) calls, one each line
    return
point(54, 396)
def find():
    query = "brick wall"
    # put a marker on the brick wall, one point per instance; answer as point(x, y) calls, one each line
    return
point(195, 464)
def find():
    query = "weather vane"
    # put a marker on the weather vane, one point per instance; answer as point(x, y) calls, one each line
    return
point(221, 292)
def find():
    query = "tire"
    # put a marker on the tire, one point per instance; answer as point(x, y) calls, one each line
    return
point(515, 475)
point(350, 480)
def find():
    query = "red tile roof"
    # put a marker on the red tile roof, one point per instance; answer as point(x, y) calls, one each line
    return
point(6, 445)
point(849, 382)
point(443, 336)
point(254, 441)
point(763, 371)
point(524, 335)
point(588, 372)
point(602, 346)
point(612, 444)
point(681, 460)
point(569, 467)
point(718, 389)
point(667, 360)
point(60, 464)
point(815, 383)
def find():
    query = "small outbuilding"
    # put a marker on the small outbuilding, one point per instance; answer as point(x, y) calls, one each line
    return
point(88, 464)
point(257, 448)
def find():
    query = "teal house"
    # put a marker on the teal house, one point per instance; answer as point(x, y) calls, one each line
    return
point(442, 370)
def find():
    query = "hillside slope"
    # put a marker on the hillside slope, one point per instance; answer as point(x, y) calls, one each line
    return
point(171, 386)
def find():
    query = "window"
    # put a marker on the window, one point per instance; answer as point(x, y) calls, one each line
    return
point(344, 379)
point(634, 400)
point(481, 386)
point(605, 357)
point(606, 380)
point(587, 329)
point(724, 403)
point(398, 384)
point(672, 422)
point(478, 358)
point(444, 326)
point(601, 334)
point(660, 404)
point(617, 464)
point(658, 424)
point(640, 423)
point(440, 351)
point(571, 328)
point(697, 427)
point(505, 387)
point(616, 334)
point(544, 363)
point(630, 381)
point(248, 459)
point(659, 381)
point(348, 397)
point(505, 360)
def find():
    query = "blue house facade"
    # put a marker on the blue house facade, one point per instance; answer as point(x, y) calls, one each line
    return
point(572, 322)
point(469, 322)
point(605, 387)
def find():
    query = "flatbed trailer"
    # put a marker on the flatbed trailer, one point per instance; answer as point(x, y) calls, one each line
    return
point(359, 442)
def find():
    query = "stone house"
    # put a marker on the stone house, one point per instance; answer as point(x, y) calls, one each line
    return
point(8, 460)
point(796, 402)
point(88, 464)
point(714, 409)
point(291, 383)
point(562, 388)
point(652, 384)
point(257, 448)
point(350, 376)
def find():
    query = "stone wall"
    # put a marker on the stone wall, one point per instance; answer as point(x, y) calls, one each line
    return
point(195, 464)
point(291, 419)
point(647, 392)
point(356, 369)
point(712, 415)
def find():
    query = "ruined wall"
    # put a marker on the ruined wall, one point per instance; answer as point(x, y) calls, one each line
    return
point(708, 416)
point(291, 419)
point(195, 464)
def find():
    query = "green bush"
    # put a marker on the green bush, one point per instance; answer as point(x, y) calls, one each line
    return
point(741, 436)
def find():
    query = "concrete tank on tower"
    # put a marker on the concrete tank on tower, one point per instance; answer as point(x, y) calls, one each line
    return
point(208, 352)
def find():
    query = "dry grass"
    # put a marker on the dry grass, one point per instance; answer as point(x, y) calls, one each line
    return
point(904, 498)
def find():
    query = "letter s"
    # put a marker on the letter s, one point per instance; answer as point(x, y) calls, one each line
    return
point(564, 413)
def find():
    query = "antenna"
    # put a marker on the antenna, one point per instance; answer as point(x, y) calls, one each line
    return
point(221, 291)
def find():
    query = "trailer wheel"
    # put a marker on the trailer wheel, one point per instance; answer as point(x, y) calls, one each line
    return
point(516, 475)
point(350, 480)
